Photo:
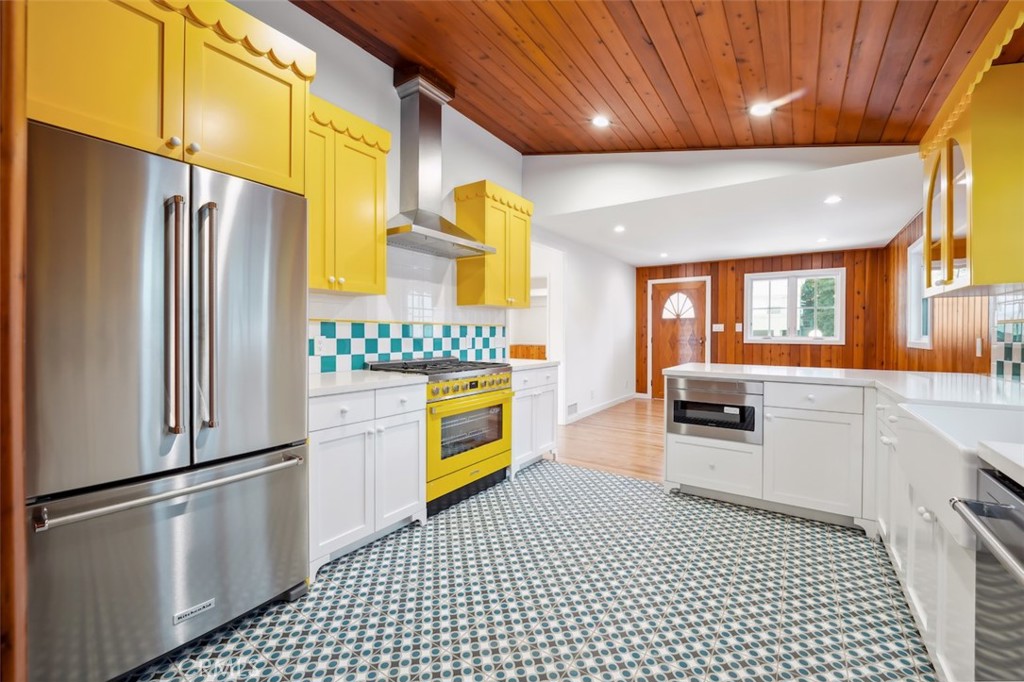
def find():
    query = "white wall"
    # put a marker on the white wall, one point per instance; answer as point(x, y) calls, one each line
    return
point(599, 357)
point(355, 81)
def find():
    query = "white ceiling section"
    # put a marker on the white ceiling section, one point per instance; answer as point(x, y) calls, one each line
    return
point(713, 205)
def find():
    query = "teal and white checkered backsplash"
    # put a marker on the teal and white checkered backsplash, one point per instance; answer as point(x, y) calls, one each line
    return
point(339, 346)
point(1008, 337)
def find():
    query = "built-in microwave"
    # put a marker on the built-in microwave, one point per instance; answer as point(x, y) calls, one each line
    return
point(723, 410)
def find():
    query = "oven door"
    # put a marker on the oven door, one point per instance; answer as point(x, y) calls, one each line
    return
point(464, 431)
point(722, 416)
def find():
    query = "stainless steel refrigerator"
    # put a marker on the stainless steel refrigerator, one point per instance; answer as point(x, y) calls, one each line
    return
point(166, 474)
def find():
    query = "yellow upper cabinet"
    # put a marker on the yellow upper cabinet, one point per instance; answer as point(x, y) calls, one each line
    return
point(346, 178)
point(498, 218)
point(113, 70)
point(974, 218)
point(200, 81)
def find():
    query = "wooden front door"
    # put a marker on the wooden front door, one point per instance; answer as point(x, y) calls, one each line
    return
point(677, 328)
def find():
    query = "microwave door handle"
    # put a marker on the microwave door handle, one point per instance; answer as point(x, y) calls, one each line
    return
point(966, 510)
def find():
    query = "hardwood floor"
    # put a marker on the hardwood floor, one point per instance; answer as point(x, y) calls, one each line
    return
point(627, 439)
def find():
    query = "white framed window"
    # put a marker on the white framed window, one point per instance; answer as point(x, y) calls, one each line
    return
point(799, 306)
point(919, 308)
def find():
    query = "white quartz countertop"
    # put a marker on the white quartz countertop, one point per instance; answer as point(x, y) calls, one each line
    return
point(531, 364)
point(334, 383)
point(922, 387)
point(1006, 457)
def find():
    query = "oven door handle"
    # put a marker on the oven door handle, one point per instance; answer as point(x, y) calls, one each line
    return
point(966, 510)
point(458, 405)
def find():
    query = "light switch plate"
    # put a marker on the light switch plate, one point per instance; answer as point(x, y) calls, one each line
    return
point(739, 326)
point(977, 347)
point(718, 327)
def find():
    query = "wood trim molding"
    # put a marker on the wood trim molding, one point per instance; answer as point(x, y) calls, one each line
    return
point(485, 189)
point(1009, 20)
point(13, 185)
point(326, 114)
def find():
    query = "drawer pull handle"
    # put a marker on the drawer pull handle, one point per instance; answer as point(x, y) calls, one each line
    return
point(892, 419)
point(474, 473)
point(810, 396)
point(886, 440)
point(343, 411)
point(403, 400)
point(769, 417)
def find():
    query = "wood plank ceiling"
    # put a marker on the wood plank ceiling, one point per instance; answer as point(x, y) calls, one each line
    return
point(680, 74)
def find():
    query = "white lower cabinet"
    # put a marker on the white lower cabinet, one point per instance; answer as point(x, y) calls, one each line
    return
point(534, 415)
point(364, 478)
point(341, 482)
point(813, 459)
point(725, 466)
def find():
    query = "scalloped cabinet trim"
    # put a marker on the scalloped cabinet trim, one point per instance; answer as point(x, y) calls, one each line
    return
point(236, 26)
point(1008, 21)
point(326, 114)
point(485, 189)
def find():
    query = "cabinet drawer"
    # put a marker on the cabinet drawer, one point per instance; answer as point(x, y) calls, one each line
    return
point(849, 399)
point(532, 378)
point(401, 400)
point(337, 410)
point(715, 465)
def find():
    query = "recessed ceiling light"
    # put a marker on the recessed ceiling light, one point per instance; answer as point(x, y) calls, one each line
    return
point(601, 121)
point(620, 228)
point(833, 199)
point(664, 255)
point(823, 240)
point(761, 109)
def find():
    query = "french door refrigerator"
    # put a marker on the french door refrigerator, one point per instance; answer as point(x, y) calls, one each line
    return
point(166, 416)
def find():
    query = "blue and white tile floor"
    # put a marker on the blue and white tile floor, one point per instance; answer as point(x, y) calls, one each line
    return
point(573, 574)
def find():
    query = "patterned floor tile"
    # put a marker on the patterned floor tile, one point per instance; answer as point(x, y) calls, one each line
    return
point(573, 574)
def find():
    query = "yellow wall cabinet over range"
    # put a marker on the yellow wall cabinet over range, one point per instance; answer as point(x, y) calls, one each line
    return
point(498, 218)
point(346, 176)
point(974, 206)
point(176, 78)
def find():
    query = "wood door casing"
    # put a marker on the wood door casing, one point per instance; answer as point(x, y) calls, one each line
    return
point(675, 339)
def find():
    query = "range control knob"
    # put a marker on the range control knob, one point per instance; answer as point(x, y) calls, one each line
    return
point(436, 390)
point(465, 387)
point(447, 390)
point(455, 388)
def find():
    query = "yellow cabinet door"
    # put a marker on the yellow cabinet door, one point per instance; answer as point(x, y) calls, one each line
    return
point(320, 205)
point(346, 178)
point(111, 69)
point(360, 245)
point(498, 218)
point(518, 262)
point(242, 111)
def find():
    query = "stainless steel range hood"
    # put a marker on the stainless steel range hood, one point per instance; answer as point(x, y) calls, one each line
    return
point(420, 226)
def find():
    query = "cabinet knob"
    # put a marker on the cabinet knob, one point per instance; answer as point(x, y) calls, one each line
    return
point(193, 148)
point(341, 280)
point(768, 417)
point(810, 396)
point(881, 408)
point(330, 279)
point(711, 466)
point(380, 429)
point(925, 514)
point(344, 411)
point(174, 142)
point(892, 419)
point(369, 432)
point(403, 400)
point(886, 440)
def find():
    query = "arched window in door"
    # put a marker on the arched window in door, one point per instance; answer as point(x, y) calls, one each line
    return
point(678, 307)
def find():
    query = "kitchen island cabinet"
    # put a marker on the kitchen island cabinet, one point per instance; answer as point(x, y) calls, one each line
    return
point(367, 459)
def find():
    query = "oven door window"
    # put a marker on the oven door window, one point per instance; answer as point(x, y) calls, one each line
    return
point(470, 430)
point(735, 417)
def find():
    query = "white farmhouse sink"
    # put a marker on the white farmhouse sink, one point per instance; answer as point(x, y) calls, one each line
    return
point(965, 427)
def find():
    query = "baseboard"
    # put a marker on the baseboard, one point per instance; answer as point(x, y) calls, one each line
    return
point(599, 408)
point(642, 396)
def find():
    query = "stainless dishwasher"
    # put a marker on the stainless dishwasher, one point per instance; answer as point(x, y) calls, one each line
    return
point(997, 517)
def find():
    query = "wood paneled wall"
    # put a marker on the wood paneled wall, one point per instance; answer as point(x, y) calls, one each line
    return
point(875, 314)
point(956, 322)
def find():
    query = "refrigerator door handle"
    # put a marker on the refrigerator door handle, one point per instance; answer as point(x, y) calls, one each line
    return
point(174, 358)
point(210, 324)
point(43, 522)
